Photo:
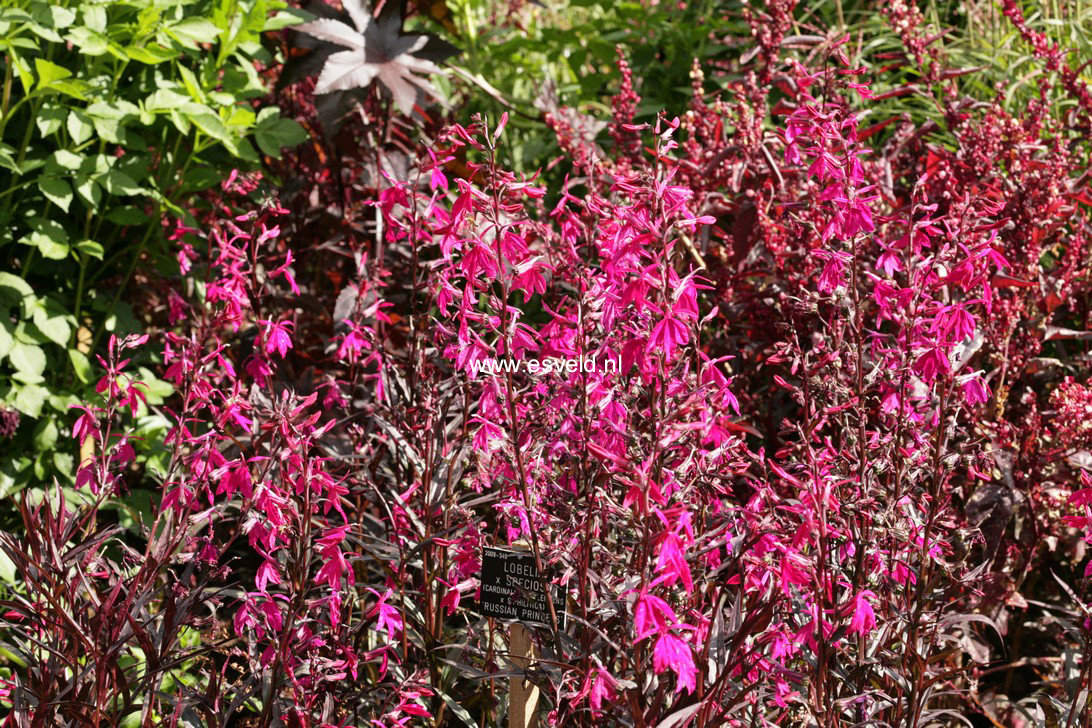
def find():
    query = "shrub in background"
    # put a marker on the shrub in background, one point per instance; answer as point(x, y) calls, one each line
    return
point(112, 115)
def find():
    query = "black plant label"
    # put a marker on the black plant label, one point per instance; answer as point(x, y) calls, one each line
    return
point(513, 589)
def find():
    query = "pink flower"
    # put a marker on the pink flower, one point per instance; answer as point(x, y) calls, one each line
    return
point(673, 653)
point(975, 391)
point(278, 336)
point(652, 615)
point(390, 618)
point(672, 564)
point(864, 619)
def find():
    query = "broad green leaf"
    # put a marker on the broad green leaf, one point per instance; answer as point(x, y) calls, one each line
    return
point(191, 32)
point(88, 189)
point(165, 99)
point(126, 215)
point(90, 248)
point(27, 358)
point(273, 133)
point(49, 118)
point(284, 19)
point(49, 237)
point(45, 434)
point(193, 86)
point(90, 42)
point(94, 17)
point(150, 54)
point(49, 73)
point(6, 339)
point(65, 464)
point(210, 124)
point(119, 183)
point(13, 290)
point(8, 572)
point(80, 364)
point(80, 127)
point(29, 399)
point(52, 320)
point(56, 190)
point(7, 159)
point(67, 160)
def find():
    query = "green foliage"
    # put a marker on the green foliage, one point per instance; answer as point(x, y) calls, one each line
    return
point(111, 115)
point(564, 53)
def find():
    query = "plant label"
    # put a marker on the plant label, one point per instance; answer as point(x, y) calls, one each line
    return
point(512, 589)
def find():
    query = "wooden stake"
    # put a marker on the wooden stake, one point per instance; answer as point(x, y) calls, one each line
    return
point(522, 694)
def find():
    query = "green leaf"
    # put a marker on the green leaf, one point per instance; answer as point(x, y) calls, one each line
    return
point(8, 573)
point(49, 237)
point(193, 86)
point(7, 159)
point(66, 160)
point(56, 190)
point(191, 32)
point(88, 189)
point(118, 183)
point(126, 215)
point(284, 19)
point(65, 464)
point(29, 399)
point(6, 339)
point(80, 127)
point(210, 124)
point(50, 117)
point(94, 17)
point(45, 434)
point(90, 248)
point(90, 42)
point(80, 364)
point(150, 54)
point(49, 73)
point(273, 133)
point(27, 358)
point(13, 290)
point(52, 320)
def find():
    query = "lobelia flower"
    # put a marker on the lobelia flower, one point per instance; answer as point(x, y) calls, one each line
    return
point(389, 618)
point(277, 336)
point(864, 618)
point(673, 653)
